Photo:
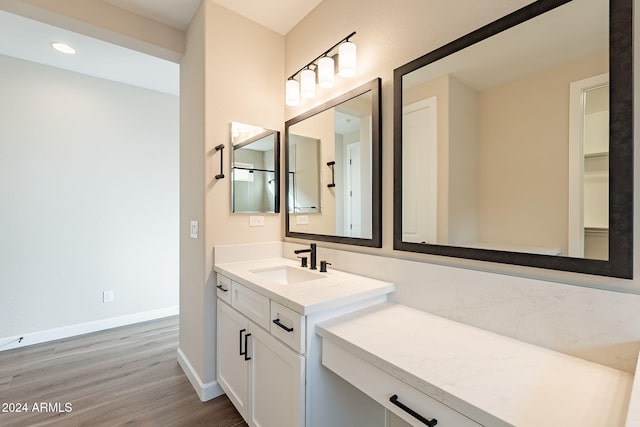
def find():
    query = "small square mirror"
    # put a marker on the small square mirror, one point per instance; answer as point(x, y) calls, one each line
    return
point(255, 171)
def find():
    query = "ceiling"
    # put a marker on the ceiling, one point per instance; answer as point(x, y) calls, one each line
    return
point(30, 40)
point(279, 15)
point(568, 33)
point(176, 13)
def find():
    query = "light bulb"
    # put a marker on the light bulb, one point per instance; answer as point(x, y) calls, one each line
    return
point(326, 75)
point(347, 59)
point(292, 93)
point(308, 83)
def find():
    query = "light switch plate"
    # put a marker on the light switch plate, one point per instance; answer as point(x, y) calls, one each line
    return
point(194, 229)
point(302, 219)
point(256, 221)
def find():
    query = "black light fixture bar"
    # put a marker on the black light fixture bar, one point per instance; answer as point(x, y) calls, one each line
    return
point(325, 53)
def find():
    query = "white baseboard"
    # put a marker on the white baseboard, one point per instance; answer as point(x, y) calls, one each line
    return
point(206, 391)
point(84, 328)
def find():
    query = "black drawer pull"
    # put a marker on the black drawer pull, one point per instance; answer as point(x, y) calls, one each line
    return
point(246, 349)
point(222, 288)
point(242, 353)
point(286, 328)
point(394, 399)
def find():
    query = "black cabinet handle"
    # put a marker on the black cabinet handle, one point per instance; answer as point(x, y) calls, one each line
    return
point(220, 148)
point(394, 399)
point(277, 322)
point(242, 353)
point(222, 288)
point(246, 356)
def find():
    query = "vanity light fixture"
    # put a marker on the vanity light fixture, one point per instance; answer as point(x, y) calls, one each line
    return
point(63, 47)
point(347, 59)
point(324, 66)
point(292, 92)
point(326, 72)
point(308, 83)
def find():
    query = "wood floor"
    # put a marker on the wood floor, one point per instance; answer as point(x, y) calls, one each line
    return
point(127, 376)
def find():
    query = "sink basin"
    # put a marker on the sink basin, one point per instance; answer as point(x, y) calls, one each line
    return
point(286, 275)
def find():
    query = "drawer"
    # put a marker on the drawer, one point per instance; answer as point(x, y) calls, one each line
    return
point(251, 304)
point(381, 386)
point(223, 288)
point(288, 326)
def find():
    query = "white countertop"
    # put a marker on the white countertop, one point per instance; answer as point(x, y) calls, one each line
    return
point(484, 375)
point(334, 289)
point(633, 415)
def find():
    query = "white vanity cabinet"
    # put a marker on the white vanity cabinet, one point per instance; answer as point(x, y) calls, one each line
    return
point(407, 403)
point(268, 353)
point(276, 378)
point(262, 377)
point(232, 367)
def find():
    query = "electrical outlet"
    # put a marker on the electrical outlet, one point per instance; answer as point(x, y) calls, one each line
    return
point(194, 229)
point(302, 220)
point(107, 296)
point(256, 221)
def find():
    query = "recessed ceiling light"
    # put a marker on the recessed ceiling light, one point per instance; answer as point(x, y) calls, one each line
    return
point(62, 47)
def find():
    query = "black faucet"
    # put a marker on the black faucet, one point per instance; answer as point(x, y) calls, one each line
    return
point(312, 251)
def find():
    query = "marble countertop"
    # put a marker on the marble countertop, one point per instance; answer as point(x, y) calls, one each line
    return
point(492, 379)
point(334, 289)
point(633, 415)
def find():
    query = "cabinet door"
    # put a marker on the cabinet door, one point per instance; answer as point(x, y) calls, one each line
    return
point(277, 382)
point(232, 366)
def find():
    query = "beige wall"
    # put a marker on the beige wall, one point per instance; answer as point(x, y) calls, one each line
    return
point(523, 170)
point(232, 71)
point(243, 82)
point(192, 190)
point(389, 36)
point(463, 163)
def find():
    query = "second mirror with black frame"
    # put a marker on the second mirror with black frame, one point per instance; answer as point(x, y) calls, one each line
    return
point(255, 170)
point(333, 170)
point(514, 143)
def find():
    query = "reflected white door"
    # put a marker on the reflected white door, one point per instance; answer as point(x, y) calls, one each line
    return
point(420, 172)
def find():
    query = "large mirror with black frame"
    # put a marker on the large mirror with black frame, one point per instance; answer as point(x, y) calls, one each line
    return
point(255, 169)
point(333, 170)
point(514, 143)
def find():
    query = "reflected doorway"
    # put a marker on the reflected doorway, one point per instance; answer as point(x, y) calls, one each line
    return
point(589, 168)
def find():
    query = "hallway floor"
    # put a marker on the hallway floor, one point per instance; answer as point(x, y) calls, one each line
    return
point(126, 376)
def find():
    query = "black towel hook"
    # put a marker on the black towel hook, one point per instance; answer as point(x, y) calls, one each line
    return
point(221, 149)
point(333, 174)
